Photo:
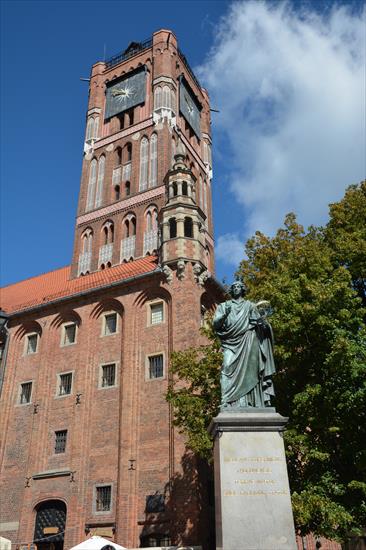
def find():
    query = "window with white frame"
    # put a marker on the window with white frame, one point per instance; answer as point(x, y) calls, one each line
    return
point(155, 366)
point(31, 344)
point(68, 335)
point(109, 324)
point(103, 498)
point(108, 375)
point(64, 383)
point(25, 393)
point(156, 313)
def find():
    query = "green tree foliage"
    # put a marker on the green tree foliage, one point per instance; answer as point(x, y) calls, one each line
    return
point(315, 281)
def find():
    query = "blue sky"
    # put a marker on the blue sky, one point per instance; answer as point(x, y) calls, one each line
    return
point(287, 78)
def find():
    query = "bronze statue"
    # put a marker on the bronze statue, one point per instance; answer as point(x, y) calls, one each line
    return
point(247, 343)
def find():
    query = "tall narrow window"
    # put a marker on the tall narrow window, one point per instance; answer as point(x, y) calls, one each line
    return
point(127, 188)
point(157, 97)
point(172, 228)
point(188, 227)
point(117, 192)
point(99, 194)
point(173, 100)
point(166, 97)
point(144, 163)
point(60, 441)
point(205, 196)
point(96, 128)
point(90, 129)
point(118, 156)
point(25, 393)
point(153, 160)
point(91, 184)
point(173, 150)
point(128, 152)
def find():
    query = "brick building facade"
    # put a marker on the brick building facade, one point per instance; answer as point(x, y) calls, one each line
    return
point(88, 444)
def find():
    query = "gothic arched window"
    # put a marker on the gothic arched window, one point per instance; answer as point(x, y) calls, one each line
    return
point(153, 160)
point(99, 193)
point(144, 163)
point(188, 227)
point(157, 97)
point(172, 228)
point(91, 184)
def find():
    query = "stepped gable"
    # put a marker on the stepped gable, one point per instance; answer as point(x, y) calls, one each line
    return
point(56, 284)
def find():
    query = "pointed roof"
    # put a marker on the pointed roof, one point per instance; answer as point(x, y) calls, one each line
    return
point(54, 285)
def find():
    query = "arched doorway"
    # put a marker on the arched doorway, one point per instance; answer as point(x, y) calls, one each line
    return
point(50, 525)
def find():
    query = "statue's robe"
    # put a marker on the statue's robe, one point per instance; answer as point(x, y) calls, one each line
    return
point(248, 364)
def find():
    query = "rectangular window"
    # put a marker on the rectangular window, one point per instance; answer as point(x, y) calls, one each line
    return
point(156, 313)
point(60, 441)
point(65, 383)
point(103, 498)
point(69, 334)
point(25, 393)
point(110, 323)
point(156, 366)
point(32, 341)
point(108, 375)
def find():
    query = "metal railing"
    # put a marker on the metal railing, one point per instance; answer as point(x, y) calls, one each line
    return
point(184, 59)
point(127, 54)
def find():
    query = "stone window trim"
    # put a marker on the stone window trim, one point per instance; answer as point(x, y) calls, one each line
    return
point(27, 345)
point(150, 304)
point(19, 393)
point(58, 385)
point(104, 328)
point(147, 366)
point(100, 375)
point(94, 505)
point(63, 342)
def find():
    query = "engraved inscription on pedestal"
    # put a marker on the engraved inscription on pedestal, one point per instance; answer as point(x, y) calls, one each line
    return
point(253, 506)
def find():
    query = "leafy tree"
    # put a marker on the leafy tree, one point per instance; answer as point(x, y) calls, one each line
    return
point(315, 283)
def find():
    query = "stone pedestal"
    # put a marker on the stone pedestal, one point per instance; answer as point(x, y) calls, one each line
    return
point(252, 496)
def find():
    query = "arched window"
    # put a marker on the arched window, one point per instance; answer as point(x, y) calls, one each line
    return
point(153, 160)
point(129, 152)
point(86, 241)
point(144, 163)
point(157, 97)
point(174, 146)
point(201, 192)
point(166, 97)
point(128, 188)
point(117, 192)
point(188, 227)
point(96, 128)
point(172, 228)
point(118, 156)
point(148, 221)
point(90, 129)
point(173, 100)
point(205, 151)
point(91, 184)
point(99, 193)
point(184, 188)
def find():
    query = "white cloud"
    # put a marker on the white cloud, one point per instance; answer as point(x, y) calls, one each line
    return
point(290, 86)
point(230, 249)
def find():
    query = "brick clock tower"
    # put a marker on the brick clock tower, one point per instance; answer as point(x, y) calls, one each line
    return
point(89, 446)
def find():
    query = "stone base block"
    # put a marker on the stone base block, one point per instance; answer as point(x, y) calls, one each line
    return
point(252, 496)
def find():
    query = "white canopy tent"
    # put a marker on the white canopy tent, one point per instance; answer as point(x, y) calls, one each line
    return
point(97, 543)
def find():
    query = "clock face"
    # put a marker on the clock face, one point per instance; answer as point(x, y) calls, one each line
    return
point(126, 93)
point(189, 108)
